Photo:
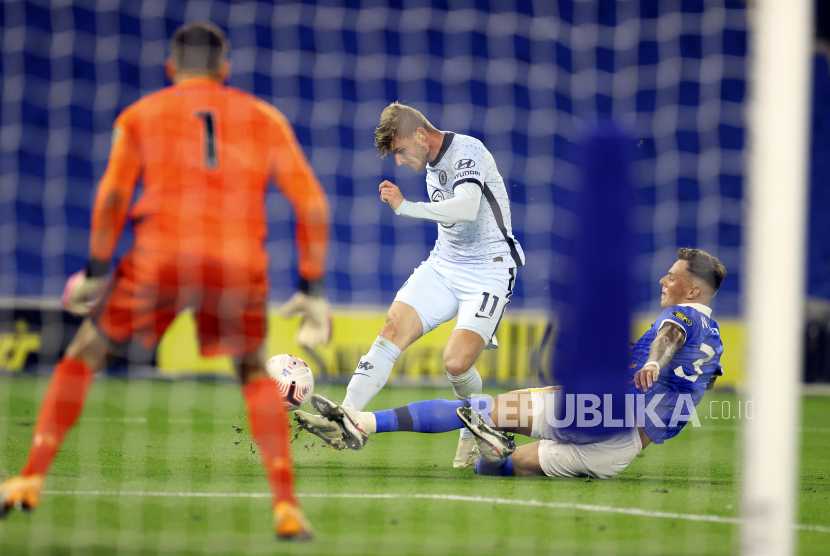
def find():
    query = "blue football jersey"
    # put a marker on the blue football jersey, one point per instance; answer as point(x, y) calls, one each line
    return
point(683, 381)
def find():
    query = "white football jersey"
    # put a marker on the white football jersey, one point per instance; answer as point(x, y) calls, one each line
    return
point(488, 240)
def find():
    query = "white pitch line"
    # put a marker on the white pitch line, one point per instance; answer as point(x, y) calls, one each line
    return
point(450, 497)
point(153, 494)
point(215, 421)
point(719, 428)
point(126, 420)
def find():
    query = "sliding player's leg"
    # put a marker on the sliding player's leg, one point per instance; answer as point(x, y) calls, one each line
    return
point(512, 412)
point(269, 427)
point(526, 461)
point(560, 452)
point(338, 423)
point(61, 406)
point(423, 303)
point(523, 462)
point(530, 412)
point(343, 427)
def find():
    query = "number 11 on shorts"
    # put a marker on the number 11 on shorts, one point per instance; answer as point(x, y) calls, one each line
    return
point(484, 306)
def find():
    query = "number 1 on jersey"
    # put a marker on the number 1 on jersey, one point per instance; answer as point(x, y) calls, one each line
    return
point(210, 139)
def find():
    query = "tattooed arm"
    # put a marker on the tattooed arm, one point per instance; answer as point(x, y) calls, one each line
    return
point(669, 339)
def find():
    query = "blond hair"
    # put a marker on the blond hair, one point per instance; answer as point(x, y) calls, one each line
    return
point(398, 120)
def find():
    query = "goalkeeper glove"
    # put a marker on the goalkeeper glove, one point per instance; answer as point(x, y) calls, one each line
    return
point(81, 289)
point(315, 327)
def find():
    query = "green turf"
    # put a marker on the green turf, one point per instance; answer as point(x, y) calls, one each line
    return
point(190, 437)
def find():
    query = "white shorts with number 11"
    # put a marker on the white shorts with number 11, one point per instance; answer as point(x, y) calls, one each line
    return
point(439, 291)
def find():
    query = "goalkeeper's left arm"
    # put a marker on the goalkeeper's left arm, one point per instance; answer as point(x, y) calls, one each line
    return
point(296, 180)
point(109, 213)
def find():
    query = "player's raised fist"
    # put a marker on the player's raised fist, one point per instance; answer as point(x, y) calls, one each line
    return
point(390, 193)
point(79, 292)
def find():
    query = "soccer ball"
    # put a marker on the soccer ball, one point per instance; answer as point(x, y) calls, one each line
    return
point(294, 379)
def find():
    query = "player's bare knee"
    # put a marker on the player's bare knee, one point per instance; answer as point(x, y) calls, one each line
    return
point(459, 357)
point(457, 364)
point(389, 330)
point(403, 325)
point(89, 346)
point(247, 373)
point(250, 367)
point(400, 331)
point(462, 350)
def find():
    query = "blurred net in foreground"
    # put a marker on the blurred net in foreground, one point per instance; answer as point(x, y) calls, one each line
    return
point(170, 466)
point(522, 81)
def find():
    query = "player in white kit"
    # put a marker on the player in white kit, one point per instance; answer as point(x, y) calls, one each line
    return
point(471, 271)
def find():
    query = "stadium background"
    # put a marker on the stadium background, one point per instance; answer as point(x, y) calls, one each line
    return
point(169, 467)
point(523, 79)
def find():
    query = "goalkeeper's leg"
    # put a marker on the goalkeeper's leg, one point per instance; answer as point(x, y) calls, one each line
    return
point(269, 427)
point(61, 406)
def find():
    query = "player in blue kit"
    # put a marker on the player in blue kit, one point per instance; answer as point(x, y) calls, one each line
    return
point(691, 344)
point(676, 361)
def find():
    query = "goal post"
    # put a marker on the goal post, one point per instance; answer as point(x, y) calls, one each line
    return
point(780, 45)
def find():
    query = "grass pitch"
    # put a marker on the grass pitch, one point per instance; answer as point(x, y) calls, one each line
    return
point(155, 467)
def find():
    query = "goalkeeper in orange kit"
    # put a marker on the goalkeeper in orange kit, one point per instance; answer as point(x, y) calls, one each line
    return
point(205, 153)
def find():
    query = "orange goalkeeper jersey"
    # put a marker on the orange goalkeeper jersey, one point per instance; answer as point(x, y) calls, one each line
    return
point(205, 153)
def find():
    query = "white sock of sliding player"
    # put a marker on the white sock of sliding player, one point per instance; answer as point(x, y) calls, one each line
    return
point(466, 386)
point(371, 373)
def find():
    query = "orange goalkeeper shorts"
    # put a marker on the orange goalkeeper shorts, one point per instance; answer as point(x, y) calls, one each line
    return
point(144, 295)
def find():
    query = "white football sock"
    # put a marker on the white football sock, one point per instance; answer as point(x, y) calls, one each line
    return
point(368, 422)
point(466, 386)
point(371, 373)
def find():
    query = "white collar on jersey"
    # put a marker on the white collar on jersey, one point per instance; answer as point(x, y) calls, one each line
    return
point(698, 306)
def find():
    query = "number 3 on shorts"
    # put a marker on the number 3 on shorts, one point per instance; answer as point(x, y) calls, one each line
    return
point(484, 306)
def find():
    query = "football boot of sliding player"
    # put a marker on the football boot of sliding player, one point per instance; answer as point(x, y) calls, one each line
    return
point(354, 433)
point(493, 445)
point(330, 432)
